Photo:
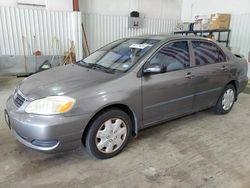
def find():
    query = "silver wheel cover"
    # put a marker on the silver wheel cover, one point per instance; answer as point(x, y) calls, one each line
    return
point(111, 135)
point(228, 99)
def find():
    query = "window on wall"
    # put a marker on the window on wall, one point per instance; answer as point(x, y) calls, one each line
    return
point(207, 53)
point(174, 56)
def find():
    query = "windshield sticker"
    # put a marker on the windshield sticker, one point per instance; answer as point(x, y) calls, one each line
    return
point(125, 65)
point(140, 46)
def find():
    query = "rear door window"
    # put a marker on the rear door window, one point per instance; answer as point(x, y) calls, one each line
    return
point(207, 53)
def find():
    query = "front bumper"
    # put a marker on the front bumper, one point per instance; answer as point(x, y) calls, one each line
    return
point(49, 134)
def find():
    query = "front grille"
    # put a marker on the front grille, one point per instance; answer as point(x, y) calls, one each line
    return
point(18, 99)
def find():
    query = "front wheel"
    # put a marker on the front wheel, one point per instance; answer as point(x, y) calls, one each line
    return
point(108, 134)
point(226, 100)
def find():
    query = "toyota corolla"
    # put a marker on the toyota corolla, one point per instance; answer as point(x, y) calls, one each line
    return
point(122, 88)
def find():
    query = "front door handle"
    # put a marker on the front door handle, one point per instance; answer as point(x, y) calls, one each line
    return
point(224, 68)
point(189, 75)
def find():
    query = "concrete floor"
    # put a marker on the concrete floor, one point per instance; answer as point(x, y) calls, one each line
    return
point(200, 150)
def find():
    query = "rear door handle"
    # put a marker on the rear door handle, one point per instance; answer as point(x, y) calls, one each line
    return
point(189, 75)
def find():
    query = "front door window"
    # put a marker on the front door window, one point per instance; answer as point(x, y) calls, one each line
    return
point(174, 56)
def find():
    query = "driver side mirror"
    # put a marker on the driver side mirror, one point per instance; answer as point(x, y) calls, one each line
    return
point(154, 69)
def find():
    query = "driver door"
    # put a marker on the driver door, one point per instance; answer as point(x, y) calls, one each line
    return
point(170, 94)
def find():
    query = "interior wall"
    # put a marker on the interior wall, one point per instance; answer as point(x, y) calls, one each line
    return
point(191, 8)
point(103, 29)
point(154, 9)
point(66, 5)
point(63, 5)
point(8, 3)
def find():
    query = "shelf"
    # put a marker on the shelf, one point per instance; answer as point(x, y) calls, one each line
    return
point(203, 31)
point(200, 32)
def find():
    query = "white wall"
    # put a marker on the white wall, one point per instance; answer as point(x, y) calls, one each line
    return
point(149, 8)
point(27, 28)
point(60, 5)
point(8, 3)
point(64, 5)
point(191, 8)
point(102, 29)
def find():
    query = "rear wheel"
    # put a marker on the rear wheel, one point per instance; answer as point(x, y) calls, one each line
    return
point(108, 134)
point(226, 100)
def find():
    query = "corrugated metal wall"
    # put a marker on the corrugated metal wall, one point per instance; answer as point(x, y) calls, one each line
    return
point(240, 35)
point(102, 29)
point(48, 31)
point(52, 31)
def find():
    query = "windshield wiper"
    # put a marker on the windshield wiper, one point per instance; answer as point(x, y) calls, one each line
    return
point(95, 66)
point(103, 68)
point(83, 63)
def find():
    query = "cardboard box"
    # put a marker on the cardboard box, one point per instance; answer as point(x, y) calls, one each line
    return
point(220, 21)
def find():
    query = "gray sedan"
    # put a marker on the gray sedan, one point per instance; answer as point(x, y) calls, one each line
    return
point(122, 88)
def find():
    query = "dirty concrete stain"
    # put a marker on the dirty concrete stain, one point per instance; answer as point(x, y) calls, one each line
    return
point(151, 173)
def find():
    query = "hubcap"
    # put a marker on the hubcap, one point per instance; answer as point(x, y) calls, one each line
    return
point(111, 135)
point(228, 99)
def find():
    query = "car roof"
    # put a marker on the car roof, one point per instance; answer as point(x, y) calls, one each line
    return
point(167, 37)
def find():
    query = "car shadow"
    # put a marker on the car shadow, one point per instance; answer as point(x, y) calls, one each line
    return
point(174, 124)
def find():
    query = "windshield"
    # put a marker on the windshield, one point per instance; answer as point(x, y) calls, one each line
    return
point(120, 55)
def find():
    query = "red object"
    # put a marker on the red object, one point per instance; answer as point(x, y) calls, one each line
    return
point(75, 5)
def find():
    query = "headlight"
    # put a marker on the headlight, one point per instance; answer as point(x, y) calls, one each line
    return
point(50, 105)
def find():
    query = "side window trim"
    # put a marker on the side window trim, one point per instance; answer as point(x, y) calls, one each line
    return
point(205, 41)
point(191, 54)
point(168, 43)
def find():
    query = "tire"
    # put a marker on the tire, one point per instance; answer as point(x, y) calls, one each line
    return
point(229, 94)
point(108, 134)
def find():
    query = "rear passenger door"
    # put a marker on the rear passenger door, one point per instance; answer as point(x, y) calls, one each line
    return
point(211, 73)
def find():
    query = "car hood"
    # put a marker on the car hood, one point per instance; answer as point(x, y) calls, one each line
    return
point(62, 81)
